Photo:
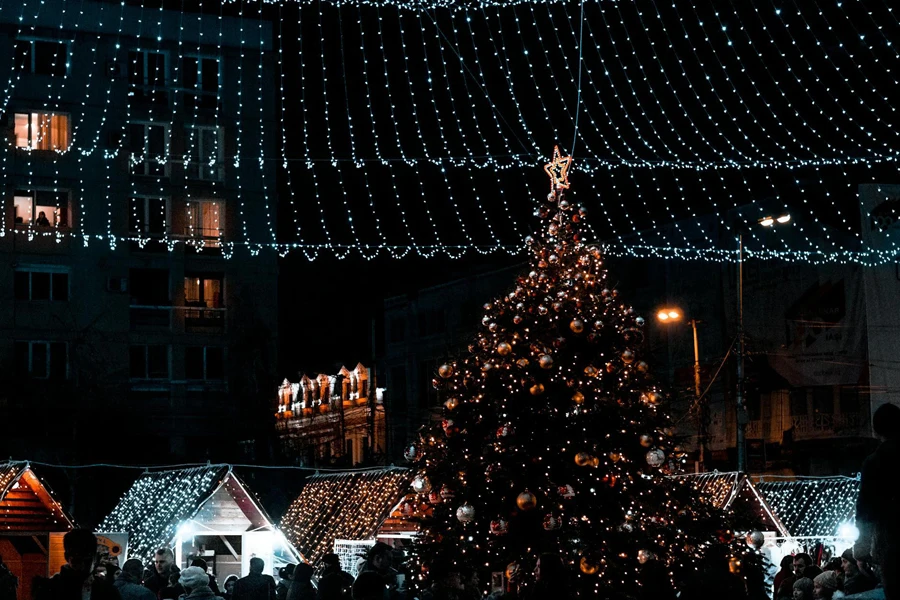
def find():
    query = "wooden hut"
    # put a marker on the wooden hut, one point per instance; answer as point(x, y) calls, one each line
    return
point(32, 525)
point(347, 512)
point(204, 512)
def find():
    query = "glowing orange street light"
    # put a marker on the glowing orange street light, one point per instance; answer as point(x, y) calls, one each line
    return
point(668, 314)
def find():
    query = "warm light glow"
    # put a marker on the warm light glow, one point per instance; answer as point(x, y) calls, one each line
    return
point(767, 221)
point(668, 314)
point(784, 219)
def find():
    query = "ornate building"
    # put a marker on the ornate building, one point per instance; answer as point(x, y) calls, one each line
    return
point(327, 420)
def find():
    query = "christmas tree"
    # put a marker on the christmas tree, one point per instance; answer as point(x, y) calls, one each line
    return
point(556, 438)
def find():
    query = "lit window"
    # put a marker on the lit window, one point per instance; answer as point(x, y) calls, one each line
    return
point(205, 222)
point(42, 57)
point(42, 360)
point(42, 131)
point(204, 363)
point(41, 283)
point(149, 362)
point(148, 216)
point(203, 290)
point(206, 153)
point(41, 208)
point(148, 142)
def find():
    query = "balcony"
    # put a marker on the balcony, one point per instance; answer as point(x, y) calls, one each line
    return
point(150, 317)
point(823, 426)
point(203, 317)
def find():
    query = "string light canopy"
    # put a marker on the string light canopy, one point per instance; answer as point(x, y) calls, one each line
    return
point(347, 506)
point(812, 507)
point(159, 502)
point(794, 106)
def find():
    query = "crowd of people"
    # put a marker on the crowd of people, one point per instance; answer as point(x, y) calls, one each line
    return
point(801, 579)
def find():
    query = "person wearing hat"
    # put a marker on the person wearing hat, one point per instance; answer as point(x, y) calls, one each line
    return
point(825, 586)
point(195, 582)
point(855, 581)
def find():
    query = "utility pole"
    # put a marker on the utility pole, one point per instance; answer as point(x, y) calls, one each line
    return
point(701, 430)
point(741, 414)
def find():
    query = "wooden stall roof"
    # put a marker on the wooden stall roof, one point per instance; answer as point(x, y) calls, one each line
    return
point(345, 505)
point(812, 506)
point(27, 506)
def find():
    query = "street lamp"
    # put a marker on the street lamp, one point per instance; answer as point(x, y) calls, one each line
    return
point(670, 315)
point(742, 417)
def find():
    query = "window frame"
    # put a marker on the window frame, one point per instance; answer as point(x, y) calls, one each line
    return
point(30, 147)
point(200, 164)
point(48, 376)
point(146, 349)
point(145, 53)
point(32, 54)
point(220, 277)
point(145, 204)
point(205, 368)
point(198, 89)
point(196, 233)
point(50, 270)
point(145, 165)
point(34, 193)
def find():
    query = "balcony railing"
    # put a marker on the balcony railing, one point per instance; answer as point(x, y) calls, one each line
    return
point(203, 315)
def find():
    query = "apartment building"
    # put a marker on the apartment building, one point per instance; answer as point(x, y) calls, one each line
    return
point(133, 310)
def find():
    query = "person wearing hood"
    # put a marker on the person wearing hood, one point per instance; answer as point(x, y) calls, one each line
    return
point(195, 582)
point(301, 584)
point(825, 586)
point(75, 579)
point(129, 582)
point(855, 581)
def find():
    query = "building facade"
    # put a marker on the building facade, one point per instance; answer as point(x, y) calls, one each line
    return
point(127, 293)
point(332, 420)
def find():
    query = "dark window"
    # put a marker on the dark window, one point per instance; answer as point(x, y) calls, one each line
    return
point(42, 360)
point(432, 322)
point(42, 57)
point(823, 400)
point(146, 68)
point(348, 450)
point(147, 142)
point(193, 362)
point(149, 362)
point(397, 391)
point(427, 394)
point(798, 402)
point(200, 78)
point(149, 287)
point(41, 285)
point(397, 330)
point(148, 216)
point(204, 363)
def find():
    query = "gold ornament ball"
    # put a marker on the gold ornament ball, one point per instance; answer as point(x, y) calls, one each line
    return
point(588, 566)
point(590, 371)
point(557, 306)
point(517, 319)
point(578, 398)
point(582, 459)
point(654, 398)
point(615, 457)
point(503, 348)
point(512, 569)
point(445, 371)
point(627, 357)
point(577, 325)
point(646, 441)
point(451, 403)
point(522, 363)
point(642, 366)
point(537, 389)
point(526, 501)
point(546, 361)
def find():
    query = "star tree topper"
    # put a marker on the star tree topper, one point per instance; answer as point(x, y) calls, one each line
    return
point(558, 170)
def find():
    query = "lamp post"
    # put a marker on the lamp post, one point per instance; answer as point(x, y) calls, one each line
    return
point(742, 417)
point(671, 315)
